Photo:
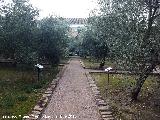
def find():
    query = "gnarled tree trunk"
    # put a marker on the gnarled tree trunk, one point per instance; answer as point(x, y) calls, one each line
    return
point(143, 76)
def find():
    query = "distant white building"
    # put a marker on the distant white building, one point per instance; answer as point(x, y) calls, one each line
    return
point(75, 24)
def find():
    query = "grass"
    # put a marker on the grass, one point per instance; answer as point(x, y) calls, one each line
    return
point(118, 91)
point(94, 64)
point(20, 90)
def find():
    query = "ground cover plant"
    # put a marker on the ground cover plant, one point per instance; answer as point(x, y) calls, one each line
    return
point(118, 92)
point(20, 90)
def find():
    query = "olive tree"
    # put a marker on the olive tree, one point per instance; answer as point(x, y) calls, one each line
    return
point(27, 40)
point(131, 29)
point(18, 23)
point(94, 44)
point(53, 39)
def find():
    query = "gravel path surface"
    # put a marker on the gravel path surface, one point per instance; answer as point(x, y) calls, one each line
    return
point(72, 99)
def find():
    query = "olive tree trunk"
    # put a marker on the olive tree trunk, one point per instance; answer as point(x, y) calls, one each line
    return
point(153, 7)
point(140, 81)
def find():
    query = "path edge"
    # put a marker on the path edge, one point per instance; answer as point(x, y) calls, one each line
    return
point(103, 106)
point(39, 108)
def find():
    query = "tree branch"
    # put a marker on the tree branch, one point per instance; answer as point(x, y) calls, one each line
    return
point(155, 8)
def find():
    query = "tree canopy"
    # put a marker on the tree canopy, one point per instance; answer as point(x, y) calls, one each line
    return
point(27, 40)
point(130, 30)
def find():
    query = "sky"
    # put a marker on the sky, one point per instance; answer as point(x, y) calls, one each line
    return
point(64, 8)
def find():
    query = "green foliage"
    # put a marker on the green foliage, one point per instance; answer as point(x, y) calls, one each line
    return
point(27, 40)
point(129, 30)
point(7, 101)
point(22, 98)
point(75, 41)
point(17, 26)
point(94, 64)
point(94, 45)
point(123, 26)
point(28, 89)
point(20, 90)
point(119, 94)
point(53, 39)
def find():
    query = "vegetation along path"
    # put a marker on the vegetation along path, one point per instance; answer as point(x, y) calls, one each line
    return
point(73, 97)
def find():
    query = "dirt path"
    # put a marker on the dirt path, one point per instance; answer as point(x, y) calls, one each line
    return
point(72, 99)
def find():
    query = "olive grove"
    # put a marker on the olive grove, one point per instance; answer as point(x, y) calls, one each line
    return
point(129, 29)
point(27, 40)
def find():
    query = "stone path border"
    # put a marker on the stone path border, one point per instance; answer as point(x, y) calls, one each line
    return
point(103, 106)
point(82, 64)
point(46, 97)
